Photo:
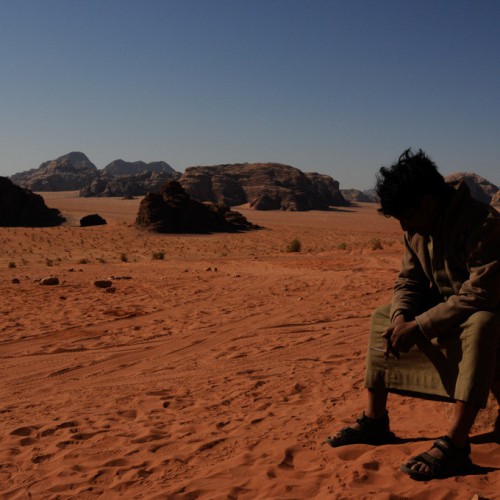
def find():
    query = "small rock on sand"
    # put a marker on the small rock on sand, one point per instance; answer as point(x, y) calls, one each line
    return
point(103, 283)
point(50, 280)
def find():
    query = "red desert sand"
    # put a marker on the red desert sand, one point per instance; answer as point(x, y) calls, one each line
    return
point(215, 372)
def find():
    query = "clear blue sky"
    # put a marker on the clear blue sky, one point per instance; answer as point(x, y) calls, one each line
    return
point(338, 87)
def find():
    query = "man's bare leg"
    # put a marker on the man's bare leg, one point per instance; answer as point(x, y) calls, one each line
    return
point(376, 403)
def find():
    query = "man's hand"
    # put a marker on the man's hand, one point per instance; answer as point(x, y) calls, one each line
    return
point(401, 336)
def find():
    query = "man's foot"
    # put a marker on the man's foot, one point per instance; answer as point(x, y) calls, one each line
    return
point(366, 430)
point(444, 459)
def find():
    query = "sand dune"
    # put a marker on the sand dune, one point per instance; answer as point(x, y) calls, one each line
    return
point(214, 373)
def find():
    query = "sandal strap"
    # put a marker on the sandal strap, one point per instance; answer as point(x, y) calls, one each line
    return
point(450, 449)
point(433, 462)
point(367, 422)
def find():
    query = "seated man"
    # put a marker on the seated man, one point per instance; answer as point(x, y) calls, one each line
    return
point(438, 338)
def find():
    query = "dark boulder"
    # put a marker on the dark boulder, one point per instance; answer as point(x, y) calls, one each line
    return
point(21, 207)
point(173, 211)
point(92, 220)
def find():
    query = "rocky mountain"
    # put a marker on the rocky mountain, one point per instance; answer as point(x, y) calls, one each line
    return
point(265, 186)
point(120, 168)
point(66, 173)
point(75, 171)
point(495, 200)
point(173, 211)
point(19, 207)
point(131, 185)
point(480, 188)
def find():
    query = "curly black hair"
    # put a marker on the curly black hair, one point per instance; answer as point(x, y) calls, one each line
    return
point(403, 185)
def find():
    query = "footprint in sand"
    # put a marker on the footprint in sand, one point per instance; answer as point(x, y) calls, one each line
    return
point(24, 431)
point(287, 462)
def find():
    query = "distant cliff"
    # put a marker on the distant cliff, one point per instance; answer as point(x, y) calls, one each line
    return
point(127, 168)
point(264, 186)
point(131, 185)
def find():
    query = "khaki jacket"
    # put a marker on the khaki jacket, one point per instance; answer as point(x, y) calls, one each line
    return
point(449, 275)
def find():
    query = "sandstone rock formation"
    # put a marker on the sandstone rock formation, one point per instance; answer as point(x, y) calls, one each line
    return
point(265, 186)
point(357, 196)
point(328, 189)
point(173, 211)
point(21, 207)
point(120, 168)
point(128, 186)
point(66, 173)
point(92, 220)
point(480, 188)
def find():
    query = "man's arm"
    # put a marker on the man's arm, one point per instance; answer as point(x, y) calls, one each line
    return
point(480, 292)
point(411, 289)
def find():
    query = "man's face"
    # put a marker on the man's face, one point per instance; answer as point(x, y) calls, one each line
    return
point(422, 219)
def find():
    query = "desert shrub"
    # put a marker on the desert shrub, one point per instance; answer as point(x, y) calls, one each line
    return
point(101, 260)
point(83, 261)
point(158, 255)
point(342, 246)
point(49, 262)
point(294, 246)
point(376, 244)
point(123, 257)
point(12, 265)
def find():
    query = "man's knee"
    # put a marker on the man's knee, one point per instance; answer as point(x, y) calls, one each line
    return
point(484, 327)
point(488, 321)
point(381, 313)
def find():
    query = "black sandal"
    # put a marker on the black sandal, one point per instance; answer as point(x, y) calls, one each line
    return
point(455, 461)
point(373, 431)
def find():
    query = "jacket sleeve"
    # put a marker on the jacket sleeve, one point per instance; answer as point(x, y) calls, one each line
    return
point(411, 288)
point(480, 292)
